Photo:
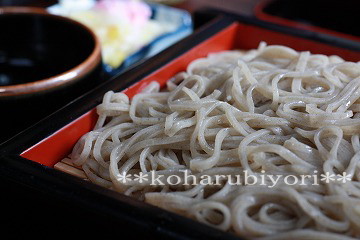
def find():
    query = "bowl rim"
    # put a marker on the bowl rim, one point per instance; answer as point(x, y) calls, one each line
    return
point(73, 74)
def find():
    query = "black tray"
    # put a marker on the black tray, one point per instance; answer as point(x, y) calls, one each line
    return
point(71, 199)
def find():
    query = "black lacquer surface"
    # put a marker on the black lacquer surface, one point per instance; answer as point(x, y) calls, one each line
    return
point(147, 221)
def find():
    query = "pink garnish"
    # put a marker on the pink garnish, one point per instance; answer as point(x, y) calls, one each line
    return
point(133, 11)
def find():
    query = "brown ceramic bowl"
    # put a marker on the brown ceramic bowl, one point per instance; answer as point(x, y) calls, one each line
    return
point(46, 61)
point(40, 52)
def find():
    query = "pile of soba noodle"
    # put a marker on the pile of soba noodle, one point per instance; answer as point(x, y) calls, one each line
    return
point(272, 110)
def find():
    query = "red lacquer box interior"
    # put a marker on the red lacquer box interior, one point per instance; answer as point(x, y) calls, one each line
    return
point(51, 140)
point(236, 36)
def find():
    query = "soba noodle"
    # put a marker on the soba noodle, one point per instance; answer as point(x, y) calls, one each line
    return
point(267, 112)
